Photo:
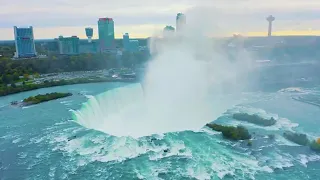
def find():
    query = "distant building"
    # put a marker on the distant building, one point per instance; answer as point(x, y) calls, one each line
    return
point(169, 28)
point(180, 21)
point(89, 33)
point(134, 46)
point(106, 34)
point(126, 42)
point(68, 45)
point(270, 19)
point(24, 41)
point(88, 47)
point(168, 31)
point(130, 45)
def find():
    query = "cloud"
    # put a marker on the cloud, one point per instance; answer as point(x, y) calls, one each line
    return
point(81, 12)
point(226, 15)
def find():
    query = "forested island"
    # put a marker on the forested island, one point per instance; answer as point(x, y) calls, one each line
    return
point(230, 132)
point(44, 98)
point(302, 140)
point(254, 119)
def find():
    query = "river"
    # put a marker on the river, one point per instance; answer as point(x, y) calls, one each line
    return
point(43, 142)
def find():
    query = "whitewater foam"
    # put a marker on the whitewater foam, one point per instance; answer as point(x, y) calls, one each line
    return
point(251, 111)
point(280, 161)
point(16, 140)
point(292, 90)
point(27, 107)
point(205, 159)
point(222, 170)
point(22, 155)
point(66, 102)
point(305, 159)
point(175, 148)
point(198, 173)
point(52, 172)
point(126, 111)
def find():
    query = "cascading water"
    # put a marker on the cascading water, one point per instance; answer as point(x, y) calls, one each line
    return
point(181, 91)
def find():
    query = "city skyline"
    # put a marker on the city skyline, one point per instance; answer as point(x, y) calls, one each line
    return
point(79, 31)
point(144, 18)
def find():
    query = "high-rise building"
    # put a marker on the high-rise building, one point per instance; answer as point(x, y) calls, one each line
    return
point(68, 45)
point(126, 42)
point(89, 33)
point(180, 21)
point(106, 34)
point(24, 41)
point(270, 19)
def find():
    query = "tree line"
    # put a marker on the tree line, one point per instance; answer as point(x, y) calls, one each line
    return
point(12, 70)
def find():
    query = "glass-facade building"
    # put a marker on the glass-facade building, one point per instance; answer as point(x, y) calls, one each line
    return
point(130, 45)
point(126, 42)
point(134, 46)
point(68, 45)
point(106, 34)
point(88, 47)
point(180, 21)
point(24, 41)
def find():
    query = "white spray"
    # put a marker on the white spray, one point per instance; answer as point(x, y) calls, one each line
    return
point(184, 88)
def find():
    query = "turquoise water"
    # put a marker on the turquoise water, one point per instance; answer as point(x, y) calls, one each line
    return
point(37, 142)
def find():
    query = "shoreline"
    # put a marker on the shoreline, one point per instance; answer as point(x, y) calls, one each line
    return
point(14, 90)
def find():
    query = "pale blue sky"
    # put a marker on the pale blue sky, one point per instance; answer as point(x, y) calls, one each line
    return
point(142, 18)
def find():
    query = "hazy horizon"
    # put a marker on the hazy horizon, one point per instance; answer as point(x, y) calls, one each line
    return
point(135, 36)
point(143, 18)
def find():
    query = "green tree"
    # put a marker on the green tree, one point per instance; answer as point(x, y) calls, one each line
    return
point(7, 78)
point(16, 76)
point(36, 75)
point(26, 76)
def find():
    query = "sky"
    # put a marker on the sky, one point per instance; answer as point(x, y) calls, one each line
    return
point(143, 18)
